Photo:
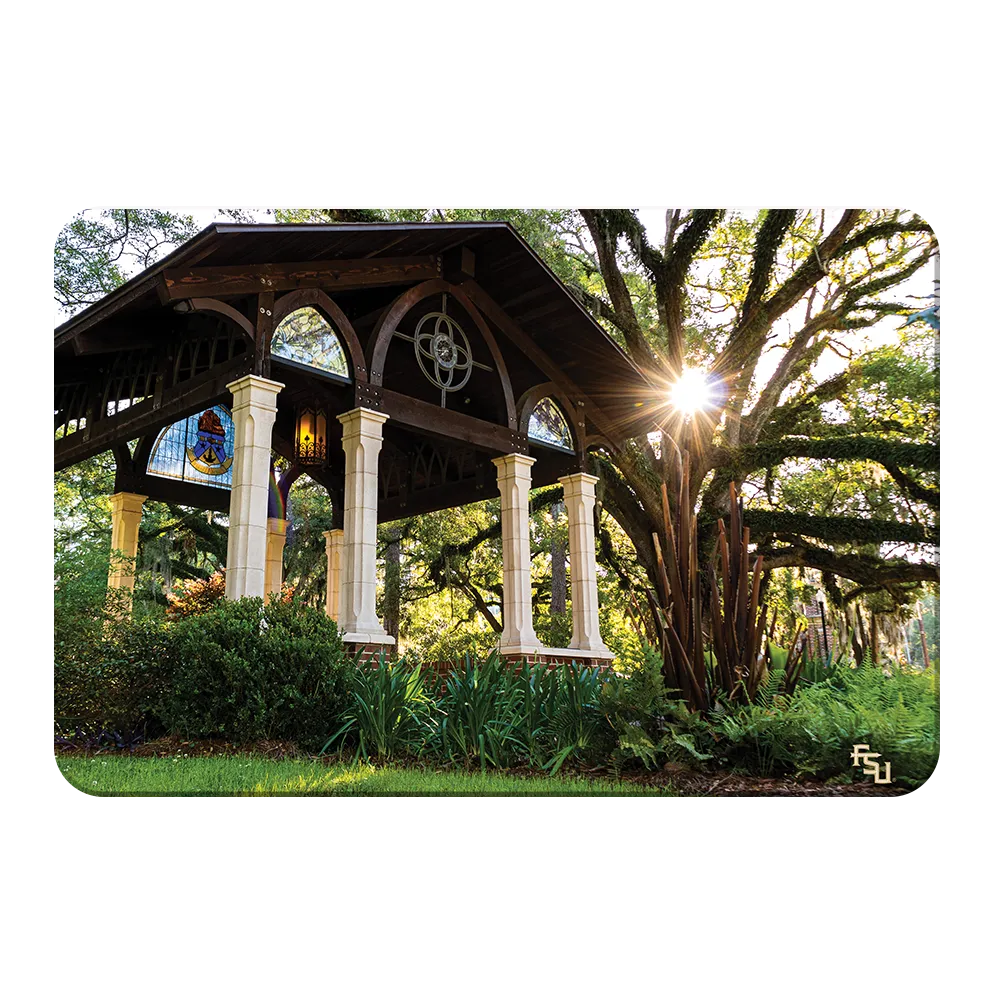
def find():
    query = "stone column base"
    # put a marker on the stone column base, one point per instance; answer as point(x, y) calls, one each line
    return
point(557, 657)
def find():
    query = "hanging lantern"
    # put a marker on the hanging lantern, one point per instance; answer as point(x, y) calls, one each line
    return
point(310, 436)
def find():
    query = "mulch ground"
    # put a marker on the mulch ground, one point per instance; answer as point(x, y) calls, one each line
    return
point(681, 779)
point(174, 746)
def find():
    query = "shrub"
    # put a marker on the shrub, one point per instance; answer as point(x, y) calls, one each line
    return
point(196, 596)
point(111, 682)
point(248, 671)
point(496, 714)
point(108, 665)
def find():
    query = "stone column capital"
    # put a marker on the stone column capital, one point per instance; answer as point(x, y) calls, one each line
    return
point(361, 419)
point(333, 536)
point(514, 465)
point(253, 390)
point(127, 503)
point(581, 483)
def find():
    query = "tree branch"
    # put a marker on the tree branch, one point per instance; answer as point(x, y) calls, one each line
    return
point(605, 238)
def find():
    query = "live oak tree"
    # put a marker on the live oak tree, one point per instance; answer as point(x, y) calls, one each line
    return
point(838, 467)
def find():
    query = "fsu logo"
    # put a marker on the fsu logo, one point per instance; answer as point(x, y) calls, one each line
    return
point(209, 454)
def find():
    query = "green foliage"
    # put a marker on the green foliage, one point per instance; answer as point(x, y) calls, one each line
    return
point(96, 251)
point(812, 733)
point(108, 665)
point(389, 710)
point(482, 711)
point(486, 714)
point(250, 671)
point(650, 726)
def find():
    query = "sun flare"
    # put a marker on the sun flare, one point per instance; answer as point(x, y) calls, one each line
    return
point(691, 393)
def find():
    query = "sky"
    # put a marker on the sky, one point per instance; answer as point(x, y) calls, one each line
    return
point(886, 331)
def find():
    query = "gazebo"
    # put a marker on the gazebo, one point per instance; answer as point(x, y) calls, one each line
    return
point(406, 368)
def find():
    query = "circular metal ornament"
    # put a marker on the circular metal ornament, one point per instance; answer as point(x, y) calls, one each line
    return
point(442, 351)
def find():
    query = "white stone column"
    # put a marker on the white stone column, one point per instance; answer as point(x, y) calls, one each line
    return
point(334, 564)
point(126, 513)
point(514, 480)
point(578, 494)
point(362, 441)
point(274, 571)
point(254, 408)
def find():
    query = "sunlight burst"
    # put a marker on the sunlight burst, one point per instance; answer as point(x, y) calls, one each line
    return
point(691, 393)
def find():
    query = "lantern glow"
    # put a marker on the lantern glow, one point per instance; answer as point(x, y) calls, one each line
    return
point(310, 436)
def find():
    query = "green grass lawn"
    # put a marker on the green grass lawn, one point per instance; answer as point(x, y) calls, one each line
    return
point(241, 775)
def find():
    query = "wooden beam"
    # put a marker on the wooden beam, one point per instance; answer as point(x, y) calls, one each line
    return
point(545, 473)
point(436, 498)
point(247, 327)
point(247, 279)
point(112, 340)
point(446, 424)
point(264, 331)
point(540, 313)
point(145, 418)
point(458, 264)
point(496, 315)
point(196, 495)
point(103, 308)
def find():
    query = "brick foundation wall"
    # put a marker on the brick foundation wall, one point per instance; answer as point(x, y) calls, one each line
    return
point(364, 650)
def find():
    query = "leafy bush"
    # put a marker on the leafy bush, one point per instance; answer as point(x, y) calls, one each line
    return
point(480, 715)
point(249, 671)
point(108, 664)
point(196, 596)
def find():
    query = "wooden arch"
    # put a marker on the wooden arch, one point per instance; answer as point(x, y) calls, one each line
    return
point(386, 326)
point(527, 403)
point(594, 441)
point(334, 315)
point(225, 309)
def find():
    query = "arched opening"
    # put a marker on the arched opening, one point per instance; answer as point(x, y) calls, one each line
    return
point(547, 425)
point(197, 449)
point(307, 513)
point(304, 337)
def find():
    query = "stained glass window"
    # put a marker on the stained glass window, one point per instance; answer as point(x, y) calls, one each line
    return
point(548, 425)
point(305, 337)
point(198, 449)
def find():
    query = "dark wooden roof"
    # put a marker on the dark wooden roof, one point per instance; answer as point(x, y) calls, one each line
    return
point(506, 267)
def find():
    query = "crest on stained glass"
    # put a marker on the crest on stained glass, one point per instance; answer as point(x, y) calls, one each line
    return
point(548, 425)
point(197, 449)
point(209, 454)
